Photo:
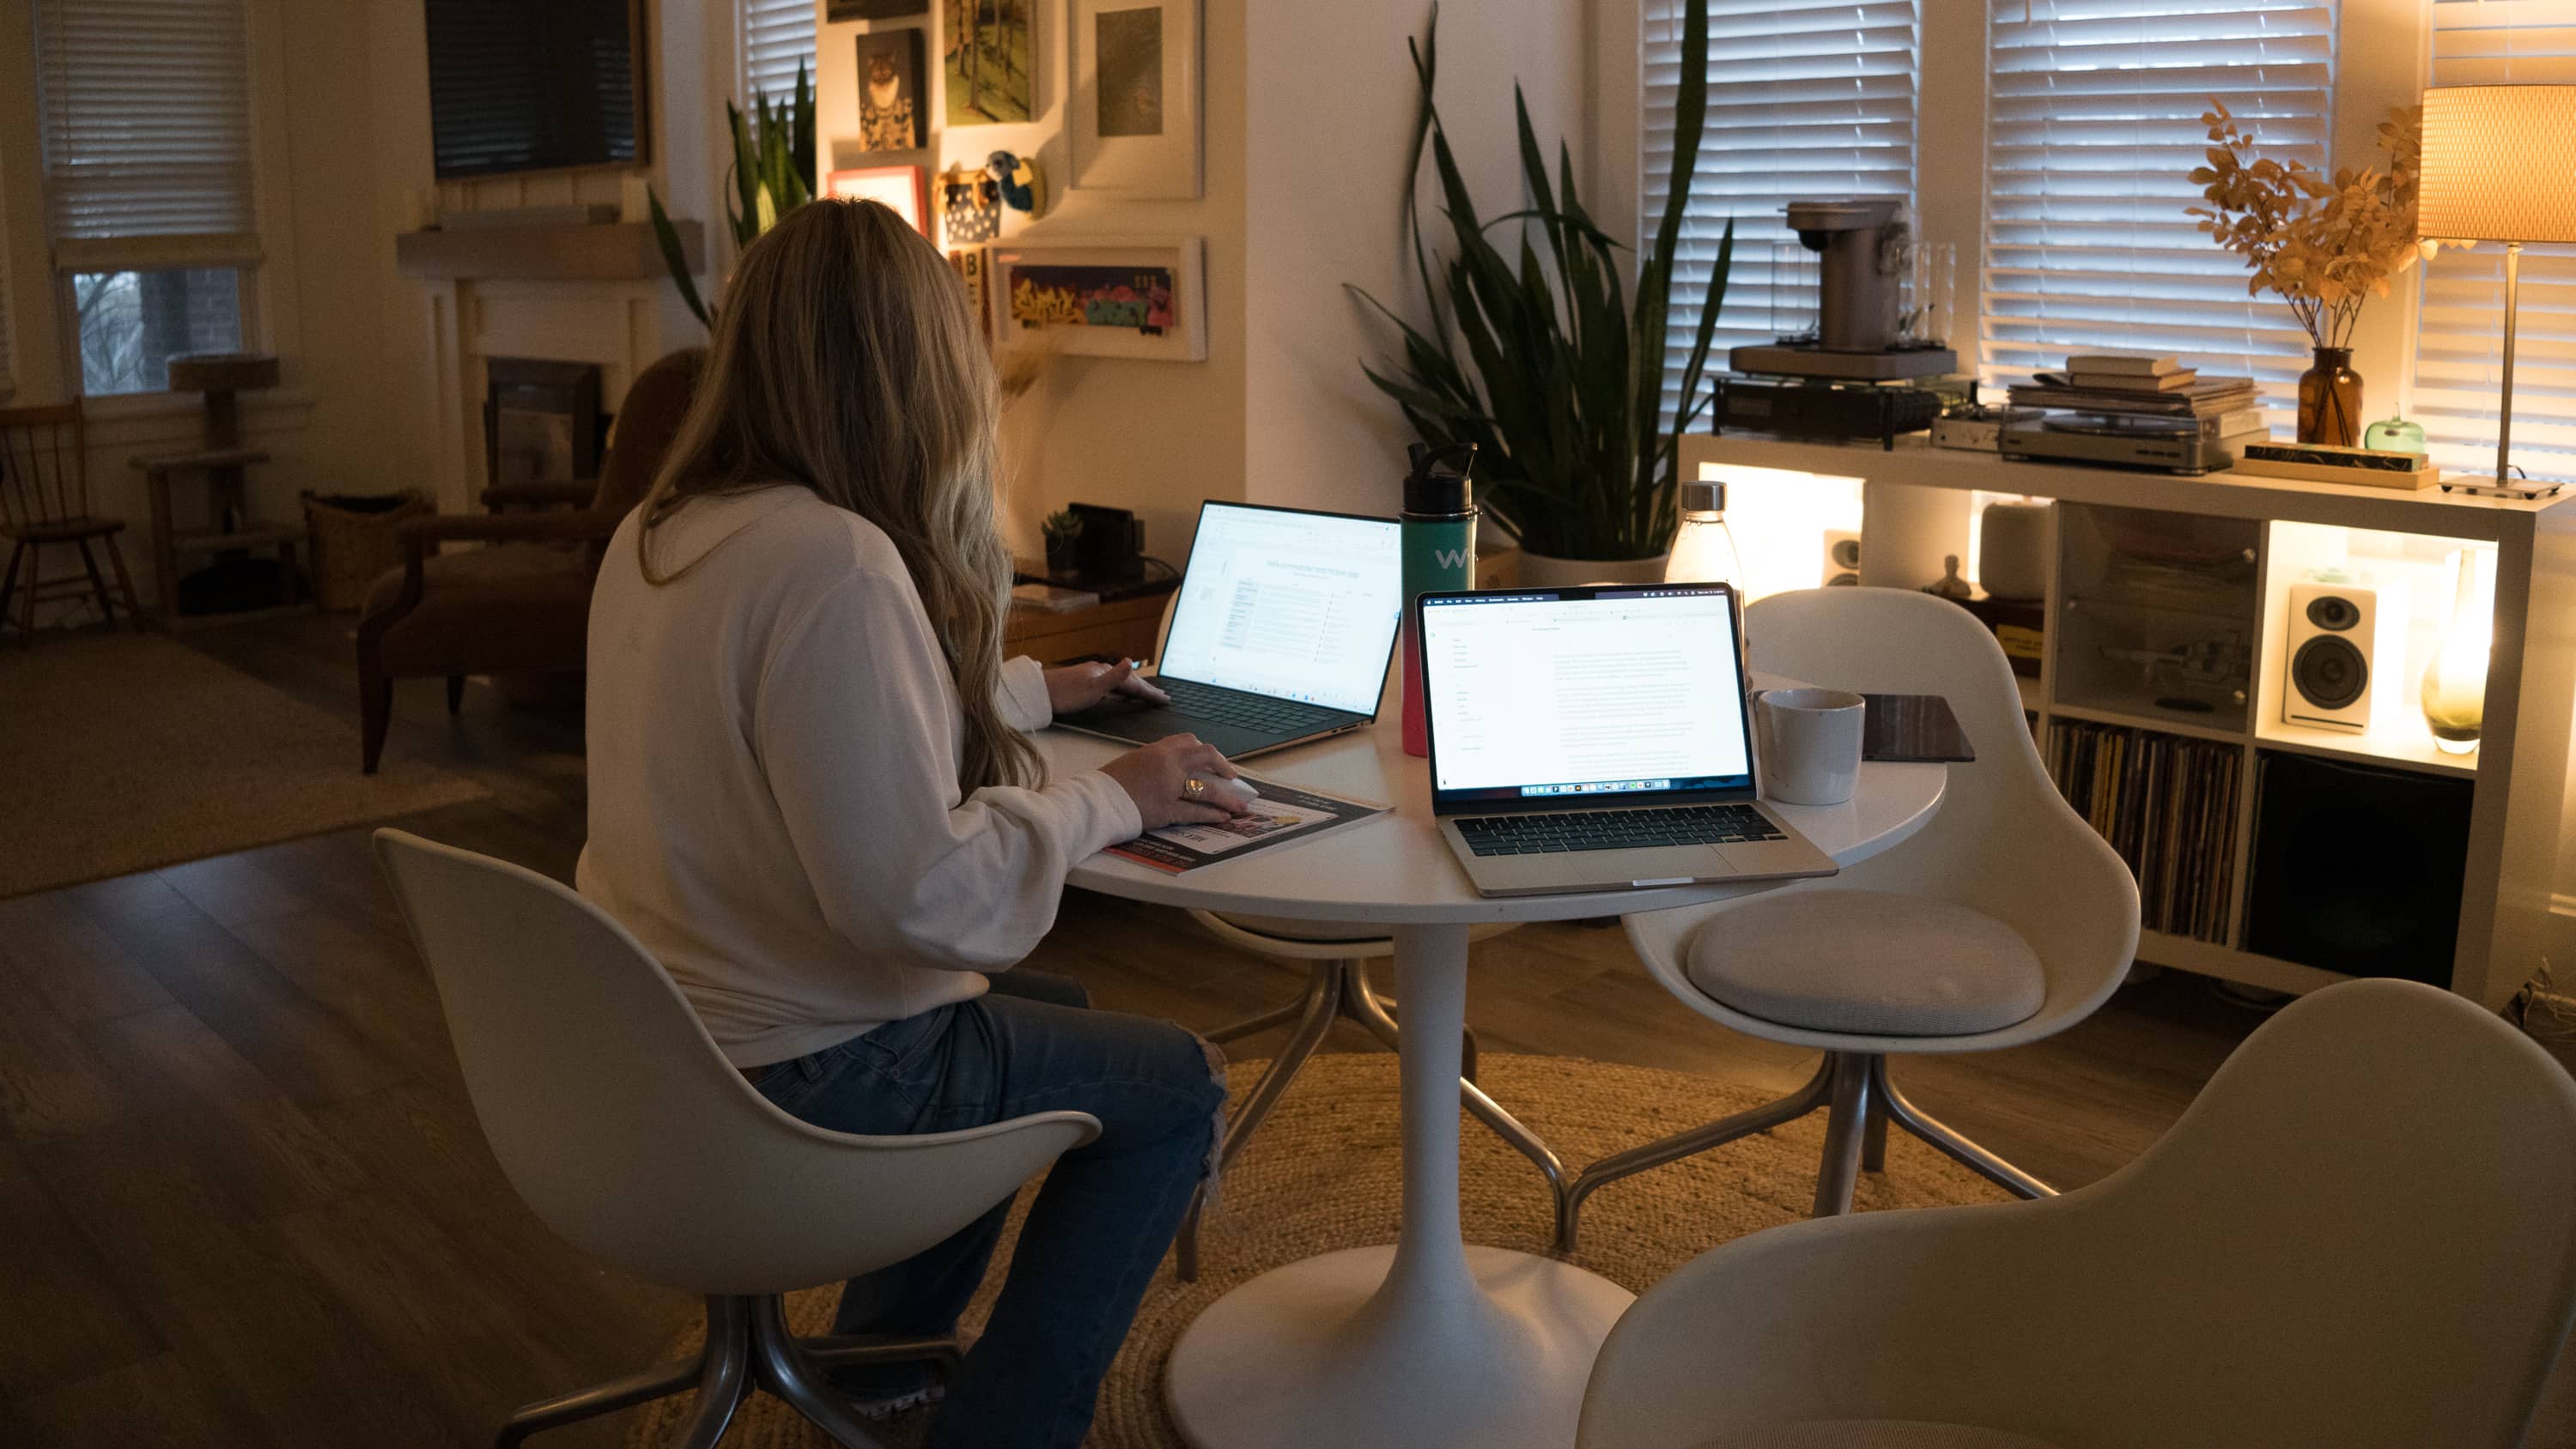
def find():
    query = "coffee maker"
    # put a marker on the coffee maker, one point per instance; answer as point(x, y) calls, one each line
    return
point(1865, 252)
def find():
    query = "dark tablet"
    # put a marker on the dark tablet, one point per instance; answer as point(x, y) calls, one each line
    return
point(1913, 729)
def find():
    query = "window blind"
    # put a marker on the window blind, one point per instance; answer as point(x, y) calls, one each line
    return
point(2459, 340)
point(145, 110)
point(2092, 129)
point(1807, 99)
point(777, 36)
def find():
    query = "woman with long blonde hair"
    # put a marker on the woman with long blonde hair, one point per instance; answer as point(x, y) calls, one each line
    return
point(812, 798)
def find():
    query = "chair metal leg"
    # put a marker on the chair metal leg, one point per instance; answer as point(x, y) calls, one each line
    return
point(1873, 1137)
point(782, 1368)
point(1845, 1126)
point(718, 1373)
point(1816, 1093)
point(1255, 1025)
point(1967, 1153)
point(827, 1351)
point(1377, 1013)
point(1315, 1017)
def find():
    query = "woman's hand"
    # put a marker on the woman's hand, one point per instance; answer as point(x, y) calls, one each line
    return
point(1078, 687)
point(1157, 778)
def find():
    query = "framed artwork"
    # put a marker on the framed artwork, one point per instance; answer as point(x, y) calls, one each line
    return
point(873, 9)
point(1134, 119)
point(906, 189)
point(894, 95)
point(1103, 296)
point(988, 59)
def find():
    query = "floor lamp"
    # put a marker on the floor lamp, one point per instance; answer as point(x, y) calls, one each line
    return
point(2500, 165)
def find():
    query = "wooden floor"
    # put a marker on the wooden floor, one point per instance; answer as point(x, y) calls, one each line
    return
point(243, 1201)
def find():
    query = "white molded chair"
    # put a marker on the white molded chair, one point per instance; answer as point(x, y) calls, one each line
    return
point(2004, 920)
point(618, 1120)
point(1337, 985)
point(2362, 1235)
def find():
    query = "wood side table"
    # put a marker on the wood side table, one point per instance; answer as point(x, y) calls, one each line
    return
point(1128, 627)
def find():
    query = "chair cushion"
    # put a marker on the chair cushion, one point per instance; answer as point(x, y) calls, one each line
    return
point(1871, 963)
point(495, 610)
point(1872, 1434)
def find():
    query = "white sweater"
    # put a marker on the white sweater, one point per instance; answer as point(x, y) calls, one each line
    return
point(774, 811)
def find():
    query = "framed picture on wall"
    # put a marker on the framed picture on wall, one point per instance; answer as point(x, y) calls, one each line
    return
point(1144, 298)
point(1134, 116)
point(873, 9)
point(904, 188)
point(894, 95)
point(989, 60)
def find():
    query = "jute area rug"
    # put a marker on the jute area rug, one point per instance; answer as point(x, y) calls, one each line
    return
point(128, 752)
point(1325, 1171)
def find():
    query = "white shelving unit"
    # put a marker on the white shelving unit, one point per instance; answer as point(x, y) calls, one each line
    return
point(1916, 504)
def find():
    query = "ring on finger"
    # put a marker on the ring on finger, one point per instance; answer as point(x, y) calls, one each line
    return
point(1194, 788)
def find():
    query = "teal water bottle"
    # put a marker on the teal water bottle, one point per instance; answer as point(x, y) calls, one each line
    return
point(1439, 528)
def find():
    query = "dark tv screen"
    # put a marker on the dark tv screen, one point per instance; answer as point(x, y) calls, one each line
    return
point(532, 85)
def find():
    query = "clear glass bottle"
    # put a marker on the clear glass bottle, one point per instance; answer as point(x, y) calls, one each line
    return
point(2454, 691)
point(1704, 549)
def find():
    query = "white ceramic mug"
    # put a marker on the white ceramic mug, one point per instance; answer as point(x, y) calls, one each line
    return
point(1810, 742)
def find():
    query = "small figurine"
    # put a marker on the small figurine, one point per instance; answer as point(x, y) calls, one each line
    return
point(1950, 585)
point(1023, 185)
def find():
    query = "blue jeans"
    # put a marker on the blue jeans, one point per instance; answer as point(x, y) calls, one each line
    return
point(1100, 1224)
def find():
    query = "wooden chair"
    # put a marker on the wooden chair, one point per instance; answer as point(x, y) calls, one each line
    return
point(44, 503)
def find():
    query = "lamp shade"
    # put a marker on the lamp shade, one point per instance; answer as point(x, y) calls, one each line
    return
point(2499, 164)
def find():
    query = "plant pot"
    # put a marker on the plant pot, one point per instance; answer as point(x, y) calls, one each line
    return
point(1540, 571)
point(1063, 555)
point(2330, 399)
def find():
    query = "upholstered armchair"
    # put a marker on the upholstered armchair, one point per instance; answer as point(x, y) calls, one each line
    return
point(520, 604)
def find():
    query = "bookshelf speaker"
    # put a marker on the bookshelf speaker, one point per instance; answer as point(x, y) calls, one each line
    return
point(2339, 640)
point(1842, 559)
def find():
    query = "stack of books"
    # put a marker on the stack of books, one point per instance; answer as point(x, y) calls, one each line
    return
point(2137, 385)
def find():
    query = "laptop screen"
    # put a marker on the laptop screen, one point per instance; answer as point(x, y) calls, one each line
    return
point(1539, 695)
point(1289, 604)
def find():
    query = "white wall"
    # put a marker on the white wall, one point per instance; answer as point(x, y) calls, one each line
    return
point(1332, 106)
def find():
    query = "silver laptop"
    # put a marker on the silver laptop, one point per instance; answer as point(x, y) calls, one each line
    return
point(1597, 739)
point(1281, 634)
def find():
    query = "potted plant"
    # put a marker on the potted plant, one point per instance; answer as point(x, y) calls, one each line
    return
point(1546, 363)
point(1063, 530)
point(772, 174)
point(2326, 246)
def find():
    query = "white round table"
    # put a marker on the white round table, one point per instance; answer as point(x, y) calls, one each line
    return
point(1430, 1342)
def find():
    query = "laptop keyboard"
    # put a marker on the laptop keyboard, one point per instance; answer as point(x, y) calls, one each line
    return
point(1245, 711)
point(1555, 832)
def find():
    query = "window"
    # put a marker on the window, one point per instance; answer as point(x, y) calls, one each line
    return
point(2459, 342)
point(145, 111)
point(1805, 100)
point(2092, 125)
point(777, 36)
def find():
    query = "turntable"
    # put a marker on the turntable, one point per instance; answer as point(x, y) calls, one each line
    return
point(2166, 445)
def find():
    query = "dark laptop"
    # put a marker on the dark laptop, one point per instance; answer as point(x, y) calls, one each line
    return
point(1281, 634)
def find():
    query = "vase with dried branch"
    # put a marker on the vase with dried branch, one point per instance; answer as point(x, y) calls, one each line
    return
point(2326, 244)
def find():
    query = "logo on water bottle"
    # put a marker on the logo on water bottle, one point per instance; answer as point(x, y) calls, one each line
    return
point(1450, 558)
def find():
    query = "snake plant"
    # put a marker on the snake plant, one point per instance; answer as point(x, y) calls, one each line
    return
point(1544, 361)
point(772, 174)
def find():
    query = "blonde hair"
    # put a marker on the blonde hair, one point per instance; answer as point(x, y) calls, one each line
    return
point(845, 360)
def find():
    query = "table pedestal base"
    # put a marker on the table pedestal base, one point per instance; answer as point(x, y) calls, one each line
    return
point(1331, 1351)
